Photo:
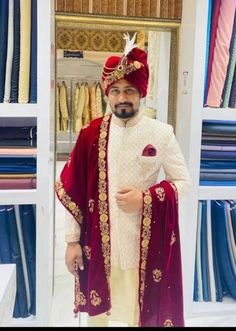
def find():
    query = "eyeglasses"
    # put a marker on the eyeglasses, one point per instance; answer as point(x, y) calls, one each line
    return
point(127, 91)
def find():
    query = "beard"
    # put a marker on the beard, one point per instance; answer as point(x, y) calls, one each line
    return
point(124, 110)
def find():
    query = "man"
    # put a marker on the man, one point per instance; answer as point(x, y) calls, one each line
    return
point(122, 233)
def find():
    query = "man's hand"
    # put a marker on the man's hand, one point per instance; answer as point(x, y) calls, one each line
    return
point(129, 199)
point(73, 257)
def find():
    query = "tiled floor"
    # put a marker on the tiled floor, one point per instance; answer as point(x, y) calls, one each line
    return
point(62, 310)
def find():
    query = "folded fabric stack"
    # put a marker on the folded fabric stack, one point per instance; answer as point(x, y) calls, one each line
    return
point(218, 153)
point(18, 157)
point(18, 246)
point(215, 263)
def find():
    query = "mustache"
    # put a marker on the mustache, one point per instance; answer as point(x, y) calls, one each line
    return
point(129, 104)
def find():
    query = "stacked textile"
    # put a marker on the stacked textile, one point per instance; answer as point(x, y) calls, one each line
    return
point(18, 157)
point(218, 153)
point(215, 262)
point(18, 246)
point(18, 60)
point(220, 78)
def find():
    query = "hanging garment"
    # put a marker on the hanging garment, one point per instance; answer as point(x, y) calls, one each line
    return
point(77, 116)
point(64, 107)
point(58, 114)
point(86, 117)
point(7, 91)
point(221, 53)
point(153, 60)
point(33, 53)
point(93, 105)
point(25, 31)
point(3, 42)
point(99, 97)
point(16, 53)
point(75, 102)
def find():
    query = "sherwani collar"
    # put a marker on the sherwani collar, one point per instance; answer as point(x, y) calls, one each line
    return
point(128, 123)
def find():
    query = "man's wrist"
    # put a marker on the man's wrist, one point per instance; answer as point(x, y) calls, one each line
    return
point(74, 243)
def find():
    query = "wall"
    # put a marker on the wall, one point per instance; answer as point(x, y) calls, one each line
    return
point(164, 9)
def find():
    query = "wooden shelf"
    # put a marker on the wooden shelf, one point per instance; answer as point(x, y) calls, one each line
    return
point(15, 197)
point(226, 114)
point(216, 192)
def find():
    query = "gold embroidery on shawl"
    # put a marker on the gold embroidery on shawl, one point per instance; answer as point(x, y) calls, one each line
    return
point(80, 298)
point(145, 238)
point(157, 275)
point(173, 238)
point(91, 205)
point(168, 323)
point(160, 193)
point(87, 252)
point(95, 298)
point(102, 197)
point(66, 201)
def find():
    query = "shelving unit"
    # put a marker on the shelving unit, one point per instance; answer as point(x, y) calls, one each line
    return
point(190, 114)
point(41, 113)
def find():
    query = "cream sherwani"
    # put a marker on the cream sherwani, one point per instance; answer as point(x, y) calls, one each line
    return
point(125, 148)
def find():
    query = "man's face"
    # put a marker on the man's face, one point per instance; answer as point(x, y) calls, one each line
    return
point(124, 99)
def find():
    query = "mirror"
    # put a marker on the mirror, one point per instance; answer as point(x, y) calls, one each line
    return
point(84, 42)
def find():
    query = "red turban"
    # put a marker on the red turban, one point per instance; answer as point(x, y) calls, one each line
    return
point(133, 67)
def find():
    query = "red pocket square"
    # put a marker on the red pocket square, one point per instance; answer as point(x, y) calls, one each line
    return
point(149, 150)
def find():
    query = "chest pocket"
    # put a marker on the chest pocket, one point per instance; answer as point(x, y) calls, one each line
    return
point(149, 166)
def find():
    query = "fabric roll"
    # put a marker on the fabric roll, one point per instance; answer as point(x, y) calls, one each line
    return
point(233, 216)
point(230, 69)
point(221, 52)
point(28, 224)
point(219, 290)
point(232, 99)
point(204, 254)
point(25, 31)
point(16, 257)
point(16, 53)
point(21, 132)
point(198, 253)
point(17, 183)
point(33, 53)
point(214, 25)
point(212, 285)
point(5, 247)
point(4, 8)
point(7, 90)
point(230, 236)
point(228, 277)
point(208, 37)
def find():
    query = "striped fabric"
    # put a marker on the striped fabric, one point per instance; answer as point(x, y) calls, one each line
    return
point(221, 52)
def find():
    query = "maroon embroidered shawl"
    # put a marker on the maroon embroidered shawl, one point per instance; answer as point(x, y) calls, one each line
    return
point(83, 190)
